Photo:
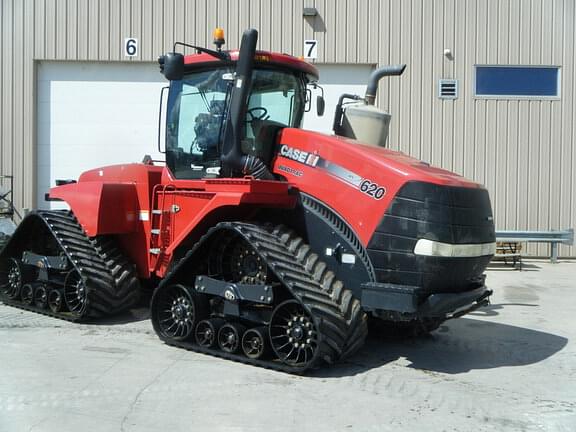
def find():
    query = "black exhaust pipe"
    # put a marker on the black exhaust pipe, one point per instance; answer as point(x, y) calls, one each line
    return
point(233, 161)
point(376, 76)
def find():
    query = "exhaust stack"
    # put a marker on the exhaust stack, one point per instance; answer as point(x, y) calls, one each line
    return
point(376, 76)
point(234, 162)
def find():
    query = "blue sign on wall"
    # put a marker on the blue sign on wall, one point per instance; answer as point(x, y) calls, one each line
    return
point(540, 81)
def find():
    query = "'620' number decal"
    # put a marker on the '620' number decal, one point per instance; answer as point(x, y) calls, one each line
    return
point(373, 189)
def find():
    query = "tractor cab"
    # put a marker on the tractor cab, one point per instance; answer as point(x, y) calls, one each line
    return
point(215, 108)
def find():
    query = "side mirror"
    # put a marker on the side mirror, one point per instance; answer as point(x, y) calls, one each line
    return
point(320, 105)
point(308, 105)
point(172, 66)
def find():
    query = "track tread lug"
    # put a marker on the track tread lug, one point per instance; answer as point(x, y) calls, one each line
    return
point(339, 318)
point(109, 277)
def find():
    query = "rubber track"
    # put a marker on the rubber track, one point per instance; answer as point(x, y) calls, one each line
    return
point(337, 313)
point(110, 278)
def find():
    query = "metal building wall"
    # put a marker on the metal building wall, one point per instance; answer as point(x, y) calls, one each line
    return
point(524, 151)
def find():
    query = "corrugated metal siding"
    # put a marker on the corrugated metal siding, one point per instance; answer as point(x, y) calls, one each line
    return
point(522, 150)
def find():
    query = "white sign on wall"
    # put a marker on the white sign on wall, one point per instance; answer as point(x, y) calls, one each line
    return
point(130, 47)
point(310, 49)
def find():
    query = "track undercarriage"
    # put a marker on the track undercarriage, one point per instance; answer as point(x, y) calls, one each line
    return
point(257, 294)
point(51, 266)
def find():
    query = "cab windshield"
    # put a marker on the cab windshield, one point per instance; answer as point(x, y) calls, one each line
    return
point(197, 108)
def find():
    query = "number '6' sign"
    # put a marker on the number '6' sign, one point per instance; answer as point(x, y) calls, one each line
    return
point(130, 47)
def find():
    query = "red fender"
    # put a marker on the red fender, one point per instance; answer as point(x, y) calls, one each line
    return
point(101, 208)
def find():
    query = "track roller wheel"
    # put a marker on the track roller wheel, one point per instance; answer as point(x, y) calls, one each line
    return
point(41, 296)
point(293, 335)
point(55, 301)
point(13, 279)
point(230, 337)
point(27, 294)
point(255, 342)
point(236, 260)
point(207, 331)
point(75, 293)
point(175, 311)
point(247, 266)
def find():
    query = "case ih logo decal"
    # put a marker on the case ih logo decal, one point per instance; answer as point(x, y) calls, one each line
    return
point(299, 155)
point(366, 186)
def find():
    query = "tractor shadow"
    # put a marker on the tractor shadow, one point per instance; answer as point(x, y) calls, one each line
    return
point(458, 346)
point(498, 266)
point(140, 312)
point(137, 314)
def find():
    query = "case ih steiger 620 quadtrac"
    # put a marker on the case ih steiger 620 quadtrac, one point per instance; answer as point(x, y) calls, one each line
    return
point(270, 244)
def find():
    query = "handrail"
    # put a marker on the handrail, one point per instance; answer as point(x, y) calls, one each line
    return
point(563, 236)
point(553, 237)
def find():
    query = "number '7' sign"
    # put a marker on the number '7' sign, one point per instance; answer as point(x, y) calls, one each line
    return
point(311, 49)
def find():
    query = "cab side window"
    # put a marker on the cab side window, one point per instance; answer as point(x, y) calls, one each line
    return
point(196, 113)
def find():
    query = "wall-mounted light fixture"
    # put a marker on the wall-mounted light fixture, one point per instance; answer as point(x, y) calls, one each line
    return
point(310, 12)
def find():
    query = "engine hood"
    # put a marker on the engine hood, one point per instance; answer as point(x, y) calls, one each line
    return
point(356, 180)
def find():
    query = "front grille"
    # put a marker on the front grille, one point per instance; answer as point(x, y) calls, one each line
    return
point(447, 214)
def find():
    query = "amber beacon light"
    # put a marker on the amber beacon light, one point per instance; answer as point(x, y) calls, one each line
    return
point(218, 37)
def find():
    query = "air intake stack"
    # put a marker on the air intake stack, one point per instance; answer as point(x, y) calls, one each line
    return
point(363, 121)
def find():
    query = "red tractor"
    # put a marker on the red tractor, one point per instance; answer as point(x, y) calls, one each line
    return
point(265, 243)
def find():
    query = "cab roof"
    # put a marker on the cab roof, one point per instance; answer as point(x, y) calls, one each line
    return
point(261, 58)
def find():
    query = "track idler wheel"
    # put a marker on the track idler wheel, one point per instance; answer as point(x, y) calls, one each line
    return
point(293, 335)
point(230, 337)
point(41, 296)
point(75, 294)
point(13, 279)
point(27, 295)
point(207, 332)
point(55, 301)
point(175, 311)
point(255, 343)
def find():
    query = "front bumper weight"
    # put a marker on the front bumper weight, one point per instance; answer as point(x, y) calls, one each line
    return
point(412, 303)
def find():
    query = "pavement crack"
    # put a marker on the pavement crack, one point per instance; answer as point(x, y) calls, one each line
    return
point(142, 390)
point(38, 423)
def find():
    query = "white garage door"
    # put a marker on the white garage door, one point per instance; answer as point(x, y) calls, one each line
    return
point(336, 80)
point(94, 114)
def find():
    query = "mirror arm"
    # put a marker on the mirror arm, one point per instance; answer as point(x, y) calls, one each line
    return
point(222, 55)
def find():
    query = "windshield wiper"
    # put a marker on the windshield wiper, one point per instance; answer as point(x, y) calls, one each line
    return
point(221, 55)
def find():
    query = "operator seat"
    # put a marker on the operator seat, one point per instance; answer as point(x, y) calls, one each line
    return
point(265, 134)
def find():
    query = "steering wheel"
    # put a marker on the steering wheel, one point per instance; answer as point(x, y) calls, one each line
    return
point(252, 113)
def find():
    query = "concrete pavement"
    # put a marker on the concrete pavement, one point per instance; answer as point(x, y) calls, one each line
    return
point(508, 367)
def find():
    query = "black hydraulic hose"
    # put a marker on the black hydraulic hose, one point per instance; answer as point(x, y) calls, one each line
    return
point(376, 76)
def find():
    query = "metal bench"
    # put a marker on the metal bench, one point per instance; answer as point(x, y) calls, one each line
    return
point(6, 196)
point(553, 237)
